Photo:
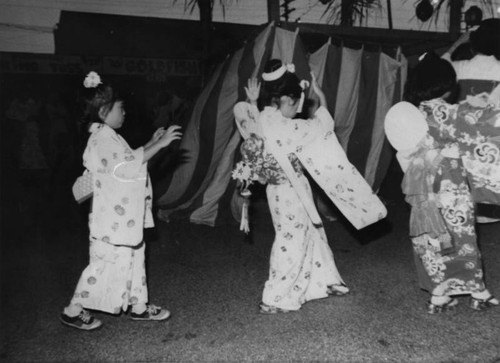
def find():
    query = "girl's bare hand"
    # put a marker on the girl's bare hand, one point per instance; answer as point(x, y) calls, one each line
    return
point(253, 89)
point(158, 134)
point(170, 135)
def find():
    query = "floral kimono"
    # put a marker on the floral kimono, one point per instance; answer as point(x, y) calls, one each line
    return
point(302, 266)
point(446, 254)
point(121, 208)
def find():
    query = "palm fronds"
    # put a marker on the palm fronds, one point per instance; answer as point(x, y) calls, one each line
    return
point(349, 12)
point(190, 5)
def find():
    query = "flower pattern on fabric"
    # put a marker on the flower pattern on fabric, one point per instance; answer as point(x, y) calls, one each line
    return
point(473, 125)
point(469, 143)
point(434, 265)
point(106, 283)
point(301, 262)
point(262, 166)
point(122, 200)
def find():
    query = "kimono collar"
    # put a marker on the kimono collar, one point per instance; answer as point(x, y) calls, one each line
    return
point(100, 127)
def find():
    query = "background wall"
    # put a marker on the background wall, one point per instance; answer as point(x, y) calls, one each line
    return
point(27, 25)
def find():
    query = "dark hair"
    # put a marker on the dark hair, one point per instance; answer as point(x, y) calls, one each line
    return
point(486, 39)
point(431, 78)
point(286, 85)
point(102, 97)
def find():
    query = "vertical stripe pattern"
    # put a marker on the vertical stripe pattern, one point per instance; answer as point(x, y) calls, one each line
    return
point(360, 86)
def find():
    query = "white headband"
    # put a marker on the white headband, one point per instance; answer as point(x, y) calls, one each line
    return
point(278, 73)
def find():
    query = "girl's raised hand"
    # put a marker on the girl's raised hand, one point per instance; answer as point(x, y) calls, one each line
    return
point(253, 90)
point(170, 135)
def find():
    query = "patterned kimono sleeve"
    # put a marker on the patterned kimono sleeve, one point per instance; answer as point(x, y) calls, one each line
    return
point(246, 115)
point(471, 127)
point(298, 133)
point(252, 149)
point(479, 144)
point(325, 120)
point(119, 159)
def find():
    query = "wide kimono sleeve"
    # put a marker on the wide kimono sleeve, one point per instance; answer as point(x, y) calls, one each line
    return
point(324, 119)
point(122, 191)
point(473, 126)
point(115, 158)
point(246, 117)
point(315, 144)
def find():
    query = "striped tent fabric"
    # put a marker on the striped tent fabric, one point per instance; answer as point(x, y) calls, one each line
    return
point(201, 189)
point(360, 87)
point(211, 138)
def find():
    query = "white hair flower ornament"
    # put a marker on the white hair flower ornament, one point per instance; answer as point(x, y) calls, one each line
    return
point(92, 80)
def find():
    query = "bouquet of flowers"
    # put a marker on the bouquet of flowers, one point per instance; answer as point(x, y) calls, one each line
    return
point(250, 169)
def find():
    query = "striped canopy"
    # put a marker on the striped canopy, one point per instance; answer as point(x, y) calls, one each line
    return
point(360, 87)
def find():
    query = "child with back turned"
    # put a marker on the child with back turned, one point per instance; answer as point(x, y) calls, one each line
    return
point(441, 146)
point(121, 207)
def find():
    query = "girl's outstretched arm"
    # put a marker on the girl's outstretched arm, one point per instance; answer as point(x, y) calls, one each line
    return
point(161, 139)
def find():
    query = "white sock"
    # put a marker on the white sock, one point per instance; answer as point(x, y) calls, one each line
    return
point(139, 308)
point(73, 310)
point(440, 300)
point(484, 295)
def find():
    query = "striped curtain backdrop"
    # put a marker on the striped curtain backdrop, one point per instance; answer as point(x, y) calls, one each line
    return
point(360, 87)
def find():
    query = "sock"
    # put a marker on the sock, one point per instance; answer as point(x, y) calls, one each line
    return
point(73, 310)
point(139, 308)
point(440, 300)
point(483, 295)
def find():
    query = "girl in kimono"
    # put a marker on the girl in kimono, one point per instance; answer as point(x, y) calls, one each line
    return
point(431, 142)
point(480, 73)
point(121, 207)
point(302, 266)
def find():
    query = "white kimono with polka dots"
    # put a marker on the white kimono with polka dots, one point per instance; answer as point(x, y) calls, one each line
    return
point(116, 276)
point(121, 205)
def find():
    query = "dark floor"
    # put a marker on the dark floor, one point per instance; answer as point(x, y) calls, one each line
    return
point(212, 278)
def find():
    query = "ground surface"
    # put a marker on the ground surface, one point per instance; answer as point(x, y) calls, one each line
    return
point(212, 278)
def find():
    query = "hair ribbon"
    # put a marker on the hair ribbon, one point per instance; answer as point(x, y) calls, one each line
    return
point(278, 73)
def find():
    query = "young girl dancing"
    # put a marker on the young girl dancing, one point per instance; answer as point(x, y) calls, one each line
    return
point(302, 266)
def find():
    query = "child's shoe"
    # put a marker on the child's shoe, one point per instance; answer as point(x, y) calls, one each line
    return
point(483, 304)
point(337, 290)
point(83, 321)
point(152, 312)
point(441, 308)
point(268, 309)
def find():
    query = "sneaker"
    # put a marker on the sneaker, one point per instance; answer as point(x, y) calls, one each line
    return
point(483, 304)
point(337, 290)
point(83, 321)
point(268, 309)
point(152, 312)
